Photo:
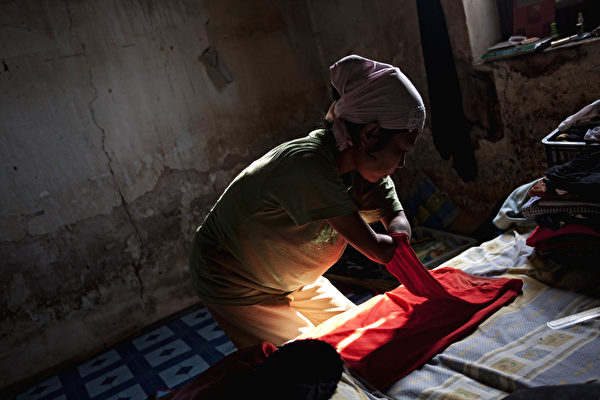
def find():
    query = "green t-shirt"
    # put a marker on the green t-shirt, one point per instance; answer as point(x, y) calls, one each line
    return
point(267, 235)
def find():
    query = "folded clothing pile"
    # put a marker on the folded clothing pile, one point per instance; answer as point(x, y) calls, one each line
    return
point(566, 206)
point(588, 132)
point(584, 125)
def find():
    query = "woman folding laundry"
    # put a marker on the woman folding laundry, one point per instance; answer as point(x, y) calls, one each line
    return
point(258, 258)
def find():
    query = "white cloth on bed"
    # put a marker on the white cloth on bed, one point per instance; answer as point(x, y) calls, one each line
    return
point(510, 212)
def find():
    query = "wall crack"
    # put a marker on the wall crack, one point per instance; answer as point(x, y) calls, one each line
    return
point(137, 265)
point(70, 15)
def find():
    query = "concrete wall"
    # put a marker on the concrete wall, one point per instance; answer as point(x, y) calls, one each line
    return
point(117, 136)
point(519, 102)
point(510, 106)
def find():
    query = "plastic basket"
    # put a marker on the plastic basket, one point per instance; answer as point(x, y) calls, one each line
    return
point(561, 152)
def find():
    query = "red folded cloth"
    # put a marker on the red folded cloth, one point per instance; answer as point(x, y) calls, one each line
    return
point(410, 324)
point(542, 234)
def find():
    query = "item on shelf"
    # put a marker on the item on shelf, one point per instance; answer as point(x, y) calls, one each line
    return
point(533, 17)
point(507, 49)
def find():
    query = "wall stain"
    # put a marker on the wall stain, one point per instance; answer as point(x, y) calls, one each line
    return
point(78, 266)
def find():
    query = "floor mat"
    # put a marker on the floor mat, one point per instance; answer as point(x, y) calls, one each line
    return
point(167, 357)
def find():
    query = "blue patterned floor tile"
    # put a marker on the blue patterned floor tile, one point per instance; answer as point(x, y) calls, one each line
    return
point(211, 332)
point(166, 352)
point(184, 371)
point(151, 338)
point(161, 393)
point(165, 358)
point(135, 392)
point(226, 348)
point(59, 396)
point(42, 389)
point(97, 363)
point(194, 318)
point(74, 385)
point(108, 381)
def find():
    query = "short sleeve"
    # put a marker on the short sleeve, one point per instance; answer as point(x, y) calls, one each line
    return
point(376, 200)
point(308, 188)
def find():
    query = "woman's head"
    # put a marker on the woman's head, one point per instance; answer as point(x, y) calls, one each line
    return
point(378, 152)
point(376, 110)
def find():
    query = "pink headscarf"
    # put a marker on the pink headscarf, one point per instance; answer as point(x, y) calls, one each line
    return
point(372, 92)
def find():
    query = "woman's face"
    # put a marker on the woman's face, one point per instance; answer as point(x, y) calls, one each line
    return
point(384, 162)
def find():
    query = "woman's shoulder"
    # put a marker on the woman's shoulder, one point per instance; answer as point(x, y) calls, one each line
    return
point(314, 145)
point(296, 154)
point(308, 156)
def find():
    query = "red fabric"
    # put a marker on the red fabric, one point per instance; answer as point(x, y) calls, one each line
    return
point(402, 330)
point(213, 383)
point(408, 269)
point(572, 246)
point(541, 233)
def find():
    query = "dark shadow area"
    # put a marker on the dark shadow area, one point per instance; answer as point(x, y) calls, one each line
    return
point(450, 129)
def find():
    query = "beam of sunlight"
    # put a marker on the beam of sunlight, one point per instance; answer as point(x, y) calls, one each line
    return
point(358, 333)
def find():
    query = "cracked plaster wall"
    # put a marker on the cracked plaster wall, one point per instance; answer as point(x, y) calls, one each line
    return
point(116, 137)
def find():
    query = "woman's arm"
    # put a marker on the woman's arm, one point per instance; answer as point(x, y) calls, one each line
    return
point(397, 223)
point(379, 248)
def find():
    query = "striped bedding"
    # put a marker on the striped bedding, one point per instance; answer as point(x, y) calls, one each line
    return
point(514, 348)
